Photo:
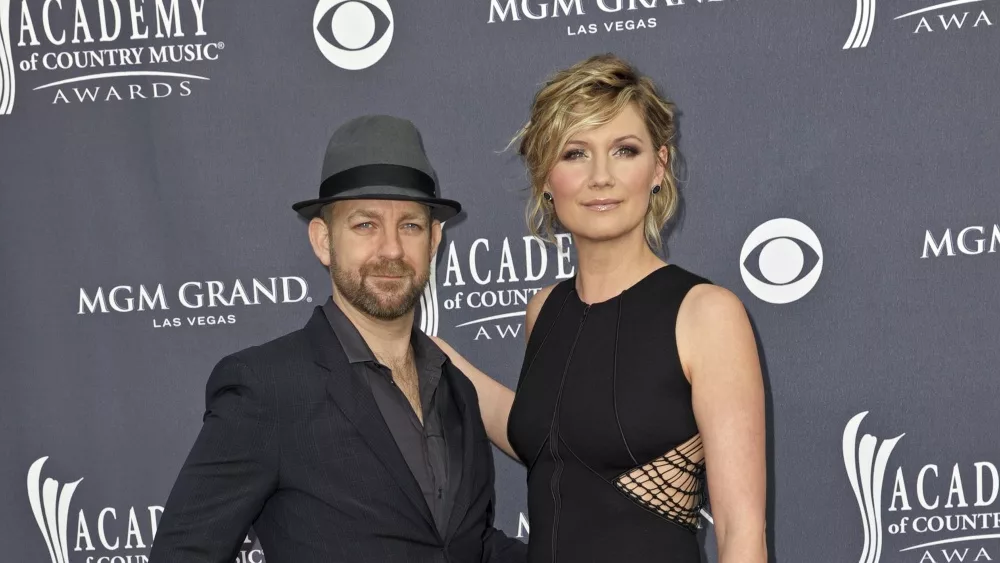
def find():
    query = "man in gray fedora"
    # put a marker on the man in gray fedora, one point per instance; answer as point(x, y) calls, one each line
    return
point(354, 439)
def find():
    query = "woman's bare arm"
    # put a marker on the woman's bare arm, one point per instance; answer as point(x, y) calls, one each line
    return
point(495, 399)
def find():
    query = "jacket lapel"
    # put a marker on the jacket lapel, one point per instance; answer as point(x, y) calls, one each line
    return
point(354, 398)
point(463, 495)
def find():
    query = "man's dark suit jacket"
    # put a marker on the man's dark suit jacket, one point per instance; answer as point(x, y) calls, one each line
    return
point(293, 444)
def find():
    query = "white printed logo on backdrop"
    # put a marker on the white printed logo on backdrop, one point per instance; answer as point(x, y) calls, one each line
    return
point(486, 284)
point(193, 303)
point(781, 261)
point(7, 79)
point(105, 50)
point(353, 34)
point(865, 463)
point(50, 505)
point(111, 534)
point(947, 16)
point(577, 16)
point(973, 240)
point(937, 512)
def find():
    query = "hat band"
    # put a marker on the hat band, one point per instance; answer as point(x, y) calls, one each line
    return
point(353, 181)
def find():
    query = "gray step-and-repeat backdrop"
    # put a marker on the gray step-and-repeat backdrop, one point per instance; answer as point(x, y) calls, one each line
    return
point(841, 177)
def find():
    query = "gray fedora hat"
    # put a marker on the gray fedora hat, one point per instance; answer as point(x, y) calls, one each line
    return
point(378, 157)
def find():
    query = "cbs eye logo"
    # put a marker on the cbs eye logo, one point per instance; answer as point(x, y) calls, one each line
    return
point(781, 261)
point(353, 34)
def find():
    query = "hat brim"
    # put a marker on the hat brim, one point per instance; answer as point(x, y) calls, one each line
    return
point(441, 209)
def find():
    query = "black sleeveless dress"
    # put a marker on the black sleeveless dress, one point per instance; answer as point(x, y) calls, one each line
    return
point(603, 421)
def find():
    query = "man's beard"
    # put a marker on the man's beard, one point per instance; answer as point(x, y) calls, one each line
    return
point(384, 306)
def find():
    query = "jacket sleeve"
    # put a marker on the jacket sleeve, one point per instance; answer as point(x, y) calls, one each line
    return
point(498, 548)
point(231, 471)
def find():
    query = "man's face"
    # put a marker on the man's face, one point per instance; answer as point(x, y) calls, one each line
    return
point(378, 253)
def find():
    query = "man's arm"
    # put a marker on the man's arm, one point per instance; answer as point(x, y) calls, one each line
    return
point(231, 471)
point(498, 548)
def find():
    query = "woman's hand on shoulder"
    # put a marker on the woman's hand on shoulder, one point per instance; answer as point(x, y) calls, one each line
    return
point(447, 349)
point(495, 399)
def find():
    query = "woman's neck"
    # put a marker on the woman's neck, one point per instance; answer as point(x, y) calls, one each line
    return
point(606, 268)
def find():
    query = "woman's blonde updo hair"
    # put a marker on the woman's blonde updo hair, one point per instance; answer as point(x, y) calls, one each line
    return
point(584, 96)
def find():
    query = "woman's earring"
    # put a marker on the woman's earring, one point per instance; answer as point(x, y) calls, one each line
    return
point(656, 189)
point(547, 196)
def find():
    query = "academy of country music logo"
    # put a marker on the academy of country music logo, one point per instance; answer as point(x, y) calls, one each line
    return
point(950, 15)
point(193, 303)
point(114, 535)
point(353, 34)
point(96, 51)
point(577, 15)
point(484, 286)
point(938, 512)
point(973, 240)
point(781, 260)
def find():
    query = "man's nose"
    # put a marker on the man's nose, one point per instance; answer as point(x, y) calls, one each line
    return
point(392, 245)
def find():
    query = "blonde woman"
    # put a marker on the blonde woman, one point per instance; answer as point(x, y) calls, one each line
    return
point(641, 386)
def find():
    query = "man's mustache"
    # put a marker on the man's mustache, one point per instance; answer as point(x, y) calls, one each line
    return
point(390, 268)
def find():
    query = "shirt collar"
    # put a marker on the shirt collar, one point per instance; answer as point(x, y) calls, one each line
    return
point(426, 352)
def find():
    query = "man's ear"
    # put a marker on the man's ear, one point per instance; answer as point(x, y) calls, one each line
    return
point(435, 237)
point(319, 238)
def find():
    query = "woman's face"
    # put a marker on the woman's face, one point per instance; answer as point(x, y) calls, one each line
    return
point(603, 178)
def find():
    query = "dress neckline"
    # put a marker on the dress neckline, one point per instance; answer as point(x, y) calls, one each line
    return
point(576, 294)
